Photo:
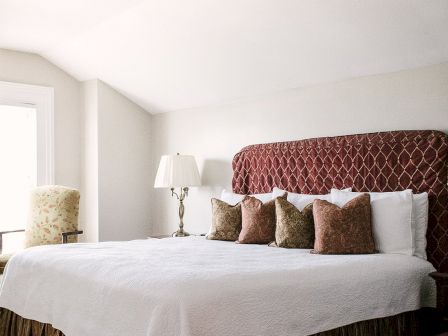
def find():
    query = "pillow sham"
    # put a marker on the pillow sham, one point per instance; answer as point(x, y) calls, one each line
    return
point(233, 199)
point(300, 201)
point(420, 207)
point(391, 218)
point(294, 228)
point(346, 230)
point(258, 221)
point(226, 221)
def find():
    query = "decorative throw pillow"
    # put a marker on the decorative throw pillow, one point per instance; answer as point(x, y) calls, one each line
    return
point(295, 228)
point(391, 218)
point(226, 221)
point(346, 230)
point(258, 221)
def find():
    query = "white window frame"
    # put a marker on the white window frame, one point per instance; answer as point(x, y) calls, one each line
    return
point(42, 99)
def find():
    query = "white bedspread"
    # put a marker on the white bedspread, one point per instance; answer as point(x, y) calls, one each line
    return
point(192, 286)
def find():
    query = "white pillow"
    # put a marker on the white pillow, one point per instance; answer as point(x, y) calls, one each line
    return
point(420, 207)
point(300, 201)
point(391, 219)
point(233, 199)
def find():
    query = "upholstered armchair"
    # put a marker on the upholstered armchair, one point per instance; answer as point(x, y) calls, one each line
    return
point(53, 219)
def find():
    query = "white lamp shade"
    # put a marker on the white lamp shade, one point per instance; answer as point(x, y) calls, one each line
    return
point(177, 171)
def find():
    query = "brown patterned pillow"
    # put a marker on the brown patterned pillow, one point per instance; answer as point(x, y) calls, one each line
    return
point(258, 221)
point(226, 221)
point(346, 230)
point(295, 228)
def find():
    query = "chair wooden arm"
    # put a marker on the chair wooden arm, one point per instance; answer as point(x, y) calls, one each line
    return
point(6, 232)
point(66, 234)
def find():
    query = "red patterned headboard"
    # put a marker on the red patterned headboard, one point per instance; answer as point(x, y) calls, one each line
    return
point(385, 161)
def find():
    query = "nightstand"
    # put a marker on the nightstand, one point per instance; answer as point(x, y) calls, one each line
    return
point(171, 236)
point(442, 298)
point(160, 236)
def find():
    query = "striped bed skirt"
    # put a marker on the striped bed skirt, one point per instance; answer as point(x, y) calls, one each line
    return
point(405, 324)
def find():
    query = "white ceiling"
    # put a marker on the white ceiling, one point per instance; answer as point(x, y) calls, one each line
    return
point(175, 54)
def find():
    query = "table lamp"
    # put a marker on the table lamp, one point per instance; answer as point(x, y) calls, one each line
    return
point(178, 171)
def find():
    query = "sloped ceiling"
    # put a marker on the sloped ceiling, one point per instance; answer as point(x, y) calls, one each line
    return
point(176, 54)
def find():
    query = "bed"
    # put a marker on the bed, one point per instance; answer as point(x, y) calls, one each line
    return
point(192, 286)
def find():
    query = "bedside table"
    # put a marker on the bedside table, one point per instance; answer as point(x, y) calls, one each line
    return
point(171, 236)
point(442, 298)
point(160, 236)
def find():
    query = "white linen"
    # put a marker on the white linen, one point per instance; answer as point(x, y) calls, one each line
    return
point(196, 287)
point(420, 205)
point(300, 201)
point(391, 219)
point(233, 199)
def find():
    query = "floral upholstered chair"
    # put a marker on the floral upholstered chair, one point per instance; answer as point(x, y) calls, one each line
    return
point(53, 218)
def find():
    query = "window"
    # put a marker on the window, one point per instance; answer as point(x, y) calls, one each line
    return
point(26, 152)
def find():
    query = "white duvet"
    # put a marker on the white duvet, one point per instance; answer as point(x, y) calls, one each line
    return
point(192, 286)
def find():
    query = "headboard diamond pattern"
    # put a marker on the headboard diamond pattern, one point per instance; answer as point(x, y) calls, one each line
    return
point(385, 161)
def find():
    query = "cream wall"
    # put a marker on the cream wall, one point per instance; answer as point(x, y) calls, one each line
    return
point(29, 68)
point(110, 148)
point(89, 215)
point(124, 167)
point(413, 99)
point(102, 147)
point(116, 166)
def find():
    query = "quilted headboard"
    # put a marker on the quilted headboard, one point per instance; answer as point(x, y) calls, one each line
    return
point(385, 161)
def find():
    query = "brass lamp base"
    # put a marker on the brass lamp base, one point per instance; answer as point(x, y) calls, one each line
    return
point(180, 233)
